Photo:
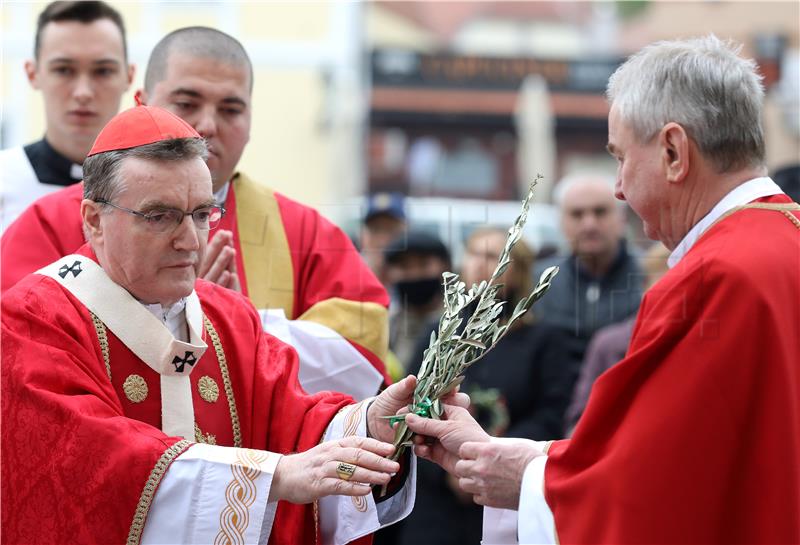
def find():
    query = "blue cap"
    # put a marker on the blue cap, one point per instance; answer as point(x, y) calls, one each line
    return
point(390, 204)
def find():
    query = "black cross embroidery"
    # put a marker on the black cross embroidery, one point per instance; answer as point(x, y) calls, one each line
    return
point(75, 269)
point(187, 358)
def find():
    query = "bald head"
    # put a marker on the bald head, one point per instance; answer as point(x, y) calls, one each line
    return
point(591, 218)
point(197, 42)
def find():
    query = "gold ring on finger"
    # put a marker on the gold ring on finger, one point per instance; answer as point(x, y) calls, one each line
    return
point(345, 471)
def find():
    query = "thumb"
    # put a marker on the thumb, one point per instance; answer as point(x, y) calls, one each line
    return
point(400, 393)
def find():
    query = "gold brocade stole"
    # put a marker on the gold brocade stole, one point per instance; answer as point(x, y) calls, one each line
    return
point(264, 245)
point(200, 437)
point(269, 271)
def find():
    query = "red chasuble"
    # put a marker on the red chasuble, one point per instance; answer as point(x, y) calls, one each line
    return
point(288, 256)
point(82, 458)
point(694, 437)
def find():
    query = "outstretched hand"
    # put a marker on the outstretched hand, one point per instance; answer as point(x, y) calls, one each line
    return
point(310, 475)
point(457, 428)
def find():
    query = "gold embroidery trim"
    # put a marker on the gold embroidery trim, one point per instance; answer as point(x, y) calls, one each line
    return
point(352, 419)
point(226, 381)
point(102, 337)
point(200, 437)
point(240, 494)
point(792, 218)
point(783, 207)
point(146, 498)
point(135, 388)
point(208, 389)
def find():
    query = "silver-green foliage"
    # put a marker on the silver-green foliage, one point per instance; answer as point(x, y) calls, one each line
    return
point(449, 352)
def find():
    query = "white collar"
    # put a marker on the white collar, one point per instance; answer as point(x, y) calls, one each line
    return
point(173, 317)
point(740, 195)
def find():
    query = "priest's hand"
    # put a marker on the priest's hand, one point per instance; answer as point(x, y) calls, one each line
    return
point(219, 263)
point(389, 402)
point(457, 428)
point(395, 400)
point(492, 472)
point(316, 473)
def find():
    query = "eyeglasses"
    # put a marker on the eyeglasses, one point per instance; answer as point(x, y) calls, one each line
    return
point(164, 219)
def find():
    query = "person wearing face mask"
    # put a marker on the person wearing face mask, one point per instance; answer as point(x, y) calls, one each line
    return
point(414, 263)
point(80, 65)
point(521, 388)
point(309, 283)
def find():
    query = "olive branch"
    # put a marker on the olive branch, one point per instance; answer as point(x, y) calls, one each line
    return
point(452, 349)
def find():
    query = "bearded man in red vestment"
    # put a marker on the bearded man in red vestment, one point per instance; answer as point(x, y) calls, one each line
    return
point(694, 437)
point(141, 404)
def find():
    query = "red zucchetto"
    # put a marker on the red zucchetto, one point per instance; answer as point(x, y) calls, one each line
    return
point(138, 126)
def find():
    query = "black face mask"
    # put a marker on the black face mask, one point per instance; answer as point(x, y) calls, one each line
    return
point(417, 293)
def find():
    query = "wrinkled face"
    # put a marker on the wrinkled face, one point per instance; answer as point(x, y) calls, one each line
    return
point(82, 74)
point(591, 219)
point(155, 267)
point(480, 257)
point(640, 180)
point(214, 98)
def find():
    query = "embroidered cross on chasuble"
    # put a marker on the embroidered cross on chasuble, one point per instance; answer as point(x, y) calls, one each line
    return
point(160, 380)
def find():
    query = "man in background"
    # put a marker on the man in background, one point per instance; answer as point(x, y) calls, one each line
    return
point(80, 65)
point(384, 221)
point(599, 283)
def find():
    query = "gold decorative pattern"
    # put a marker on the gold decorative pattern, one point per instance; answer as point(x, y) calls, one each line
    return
point(102, 337)
point(352, 419)
point(200, 437)
point(208, 389)
point(784, 208)
point(240, 494)
point(792, 218)
point(265, 247)
point(146, 498)
point(135, 388)
point(226, 381)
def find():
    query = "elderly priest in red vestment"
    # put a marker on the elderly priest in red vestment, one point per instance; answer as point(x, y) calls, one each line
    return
point(694, 437)
point(141, 404)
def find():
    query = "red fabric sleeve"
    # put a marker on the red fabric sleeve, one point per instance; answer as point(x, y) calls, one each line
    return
point(74, 466)
point(47, 230)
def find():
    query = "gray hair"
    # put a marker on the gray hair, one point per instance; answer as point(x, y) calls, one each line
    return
point(703, 85)
point(195, 41)
point(101, 179)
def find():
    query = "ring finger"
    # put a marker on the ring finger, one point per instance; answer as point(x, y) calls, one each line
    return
point(360, 474)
